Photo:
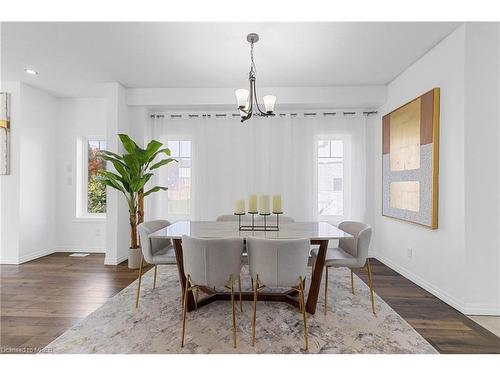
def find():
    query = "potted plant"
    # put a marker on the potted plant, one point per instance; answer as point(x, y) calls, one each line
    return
point(133, 170)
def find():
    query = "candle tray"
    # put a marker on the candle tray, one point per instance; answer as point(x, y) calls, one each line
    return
point(254, 227)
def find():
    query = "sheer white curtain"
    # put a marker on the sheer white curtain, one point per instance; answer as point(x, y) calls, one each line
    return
point(277, 155)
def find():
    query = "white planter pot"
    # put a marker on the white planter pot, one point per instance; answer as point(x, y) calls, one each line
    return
point(134, 258)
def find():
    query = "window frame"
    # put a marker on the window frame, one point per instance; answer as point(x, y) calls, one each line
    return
point(346, 139)
point(190, 215)
point(82, 176)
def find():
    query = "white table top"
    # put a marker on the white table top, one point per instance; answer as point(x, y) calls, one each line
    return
point(225, 229)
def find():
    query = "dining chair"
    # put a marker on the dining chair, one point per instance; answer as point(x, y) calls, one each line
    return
point(154, 250)
point(351, 253)
point(278, 264)
point(211, 263)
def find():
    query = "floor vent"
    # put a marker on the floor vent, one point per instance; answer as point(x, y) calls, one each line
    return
point(79, 255)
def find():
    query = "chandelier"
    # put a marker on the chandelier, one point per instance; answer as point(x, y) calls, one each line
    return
point(247, 98)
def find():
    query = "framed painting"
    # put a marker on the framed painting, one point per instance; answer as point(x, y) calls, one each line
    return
point(410, 161)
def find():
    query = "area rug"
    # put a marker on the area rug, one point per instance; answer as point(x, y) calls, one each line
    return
point(155, 327)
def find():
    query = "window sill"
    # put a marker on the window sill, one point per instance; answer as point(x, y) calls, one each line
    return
point(90, 219)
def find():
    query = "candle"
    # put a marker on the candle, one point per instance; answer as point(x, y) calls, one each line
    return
point(239, 207)
point(264, 205)
point(252, 203)
point(277, 204)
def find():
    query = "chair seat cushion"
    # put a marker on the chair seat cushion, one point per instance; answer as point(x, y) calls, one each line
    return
point(336, 257)
point(165, 255)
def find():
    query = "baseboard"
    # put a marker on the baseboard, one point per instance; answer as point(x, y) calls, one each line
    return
point(481, 309)
point(70, 249)
point(442, 295)
point(114, 261)
point(35, 255)
point(9, 261)
point(57, 249)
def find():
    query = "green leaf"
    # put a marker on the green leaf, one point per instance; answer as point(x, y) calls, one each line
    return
point(132, 163)
point(151, 150)
point(154, 190)
point(162, 162)
point(110, 154)
point(128, 143)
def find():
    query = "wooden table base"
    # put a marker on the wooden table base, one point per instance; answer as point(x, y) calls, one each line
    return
point(287, 297)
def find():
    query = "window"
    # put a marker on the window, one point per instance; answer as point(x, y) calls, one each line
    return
point(179, 179)
point(331, 178)
point(91, 193)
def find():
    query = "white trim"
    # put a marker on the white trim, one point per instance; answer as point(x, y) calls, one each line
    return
point(115, 261)
point(464, 308)
point(89, 219)
point(57, 249)
point(81, 201)
point(346, 139)
point(71, 249)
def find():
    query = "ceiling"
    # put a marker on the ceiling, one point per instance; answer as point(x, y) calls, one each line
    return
point(74, 59)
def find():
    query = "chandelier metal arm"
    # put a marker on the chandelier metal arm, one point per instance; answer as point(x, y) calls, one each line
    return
point(252, 94)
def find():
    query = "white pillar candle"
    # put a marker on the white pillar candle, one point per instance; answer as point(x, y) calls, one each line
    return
point(264, 204)
point(252, 203)
point(277, 204)
point(239, 207)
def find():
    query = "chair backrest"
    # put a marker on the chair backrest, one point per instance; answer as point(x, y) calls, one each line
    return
point(210, 262)
point(357, 246)
point(271, 220)
point(150, 246)
point(278, 263)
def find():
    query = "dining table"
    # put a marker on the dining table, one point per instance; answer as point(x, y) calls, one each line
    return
point(319, 233)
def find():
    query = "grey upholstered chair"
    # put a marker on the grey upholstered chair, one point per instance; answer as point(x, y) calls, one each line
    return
point(278, 264)
point(154, 250)
point(351, 253)
point(211, 263)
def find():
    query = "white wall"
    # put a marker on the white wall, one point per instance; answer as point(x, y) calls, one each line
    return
point(117, 217)
point(451, 262)
point(481, 166)
point(9, 184)
point(82, 117)
point(28, 193)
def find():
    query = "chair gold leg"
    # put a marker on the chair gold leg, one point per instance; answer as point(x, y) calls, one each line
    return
point(326, 289)
point(233, 310)
point(352, 282)
point(139, 283)
point(371, 284)
point(255, 293)
point(184, 311)
point(196, 293)
point(239, 289)
point(154, 280)
point(300, 303)
point(304, 314)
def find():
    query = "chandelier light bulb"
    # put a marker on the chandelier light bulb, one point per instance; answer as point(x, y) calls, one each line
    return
point(269, 102)
point(242, 97)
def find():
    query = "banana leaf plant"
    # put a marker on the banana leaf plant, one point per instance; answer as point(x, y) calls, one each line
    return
point(132, 172)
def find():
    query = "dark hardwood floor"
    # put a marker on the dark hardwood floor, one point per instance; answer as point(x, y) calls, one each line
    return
point(43, 298)
point(445, 328)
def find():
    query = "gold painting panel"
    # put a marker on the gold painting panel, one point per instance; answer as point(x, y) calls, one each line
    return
point(405, 195)
point(405, 137)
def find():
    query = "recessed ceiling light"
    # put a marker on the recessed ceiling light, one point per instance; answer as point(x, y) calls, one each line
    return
point(31, 71)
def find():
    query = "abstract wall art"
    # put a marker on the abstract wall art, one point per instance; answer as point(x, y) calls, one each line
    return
point(410, 161)
point(4, 133)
